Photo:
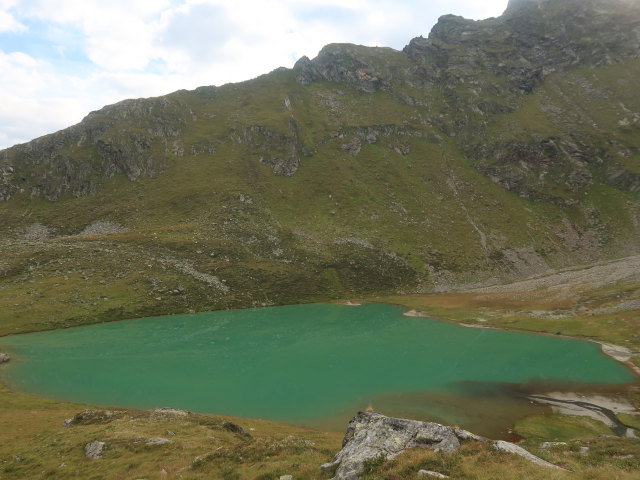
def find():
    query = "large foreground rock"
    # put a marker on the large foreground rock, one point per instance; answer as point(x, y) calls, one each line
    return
point(370, 435)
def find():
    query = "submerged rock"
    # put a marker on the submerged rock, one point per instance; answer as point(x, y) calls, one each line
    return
point(94, 450)
point(371, 435)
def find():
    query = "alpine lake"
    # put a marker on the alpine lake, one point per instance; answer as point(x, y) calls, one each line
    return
point(313, 365)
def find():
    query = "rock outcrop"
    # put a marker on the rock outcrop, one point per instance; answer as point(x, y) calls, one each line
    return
point(157, 441)
point(94, 450)
point(93, 417)
point(372, 435)
point(508, 447)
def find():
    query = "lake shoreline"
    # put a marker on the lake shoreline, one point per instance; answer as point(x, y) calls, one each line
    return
point(617, 352)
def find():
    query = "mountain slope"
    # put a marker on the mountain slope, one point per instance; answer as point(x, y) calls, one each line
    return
point(489, 151)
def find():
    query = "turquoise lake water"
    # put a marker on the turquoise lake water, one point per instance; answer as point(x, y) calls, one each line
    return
point(313, 365)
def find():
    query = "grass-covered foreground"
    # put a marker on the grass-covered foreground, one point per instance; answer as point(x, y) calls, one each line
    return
point(34, 444)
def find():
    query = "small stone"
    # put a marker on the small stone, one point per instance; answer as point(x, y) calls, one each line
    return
point(4, 357)
point(94, 450)
point(286, 477)
point(157, 441)
point(547, 445)
point(584, 450)
point(429, 473)
point(169, 432)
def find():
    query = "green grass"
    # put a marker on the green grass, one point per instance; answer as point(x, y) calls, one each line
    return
point(559, 428)
point(632, 421)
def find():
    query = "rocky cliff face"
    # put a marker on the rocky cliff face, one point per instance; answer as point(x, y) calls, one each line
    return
point(490, 150)
point(131, 138)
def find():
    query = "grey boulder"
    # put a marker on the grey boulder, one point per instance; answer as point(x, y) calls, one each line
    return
point(371, 435)
point(94, 450)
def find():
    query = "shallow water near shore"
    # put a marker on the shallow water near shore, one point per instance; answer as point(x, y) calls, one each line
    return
point(311, 365)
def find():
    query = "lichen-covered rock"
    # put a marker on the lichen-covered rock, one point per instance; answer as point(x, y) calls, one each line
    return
point(101, 228)
point(94, 450)
point(93, 417)
point(169, 411)
point(157, 441)
point(371, 435)
point(431, 473)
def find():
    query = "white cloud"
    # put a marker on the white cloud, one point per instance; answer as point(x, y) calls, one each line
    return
point(7, 21)
point(137, 48)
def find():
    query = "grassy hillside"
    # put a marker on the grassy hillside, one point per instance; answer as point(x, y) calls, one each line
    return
point(409, 212)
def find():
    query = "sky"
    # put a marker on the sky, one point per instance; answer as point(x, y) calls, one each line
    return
point(61, 59)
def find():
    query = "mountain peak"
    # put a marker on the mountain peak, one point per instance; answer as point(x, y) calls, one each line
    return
point(515, 5)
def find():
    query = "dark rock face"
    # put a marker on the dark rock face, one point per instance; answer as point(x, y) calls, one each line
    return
point(524, 167)
point(371, 435)
point(305, 71)
point(78, 159)
point(533, 38)
point(281, 152)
